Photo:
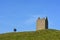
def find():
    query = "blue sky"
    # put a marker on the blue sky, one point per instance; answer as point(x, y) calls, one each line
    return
point(22, 14)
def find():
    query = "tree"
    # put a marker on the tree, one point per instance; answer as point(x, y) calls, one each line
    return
point(15, 29)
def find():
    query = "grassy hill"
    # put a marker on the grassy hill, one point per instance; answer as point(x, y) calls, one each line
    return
point(35, 35)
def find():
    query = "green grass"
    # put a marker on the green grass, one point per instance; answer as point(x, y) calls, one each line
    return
point(34, 35)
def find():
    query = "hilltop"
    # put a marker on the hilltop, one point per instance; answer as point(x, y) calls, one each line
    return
point(34, 35)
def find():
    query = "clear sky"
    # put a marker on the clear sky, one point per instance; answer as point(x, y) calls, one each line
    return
point(22, 14)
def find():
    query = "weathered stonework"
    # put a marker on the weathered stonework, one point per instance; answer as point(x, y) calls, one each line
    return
point(42, 24)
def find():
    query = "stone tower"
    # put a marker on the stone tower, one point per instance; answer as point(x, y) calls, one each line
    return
point(42, 24)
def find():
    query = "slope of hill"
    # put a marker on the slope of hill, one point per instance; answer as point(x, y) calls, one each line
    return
point(37, 35)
